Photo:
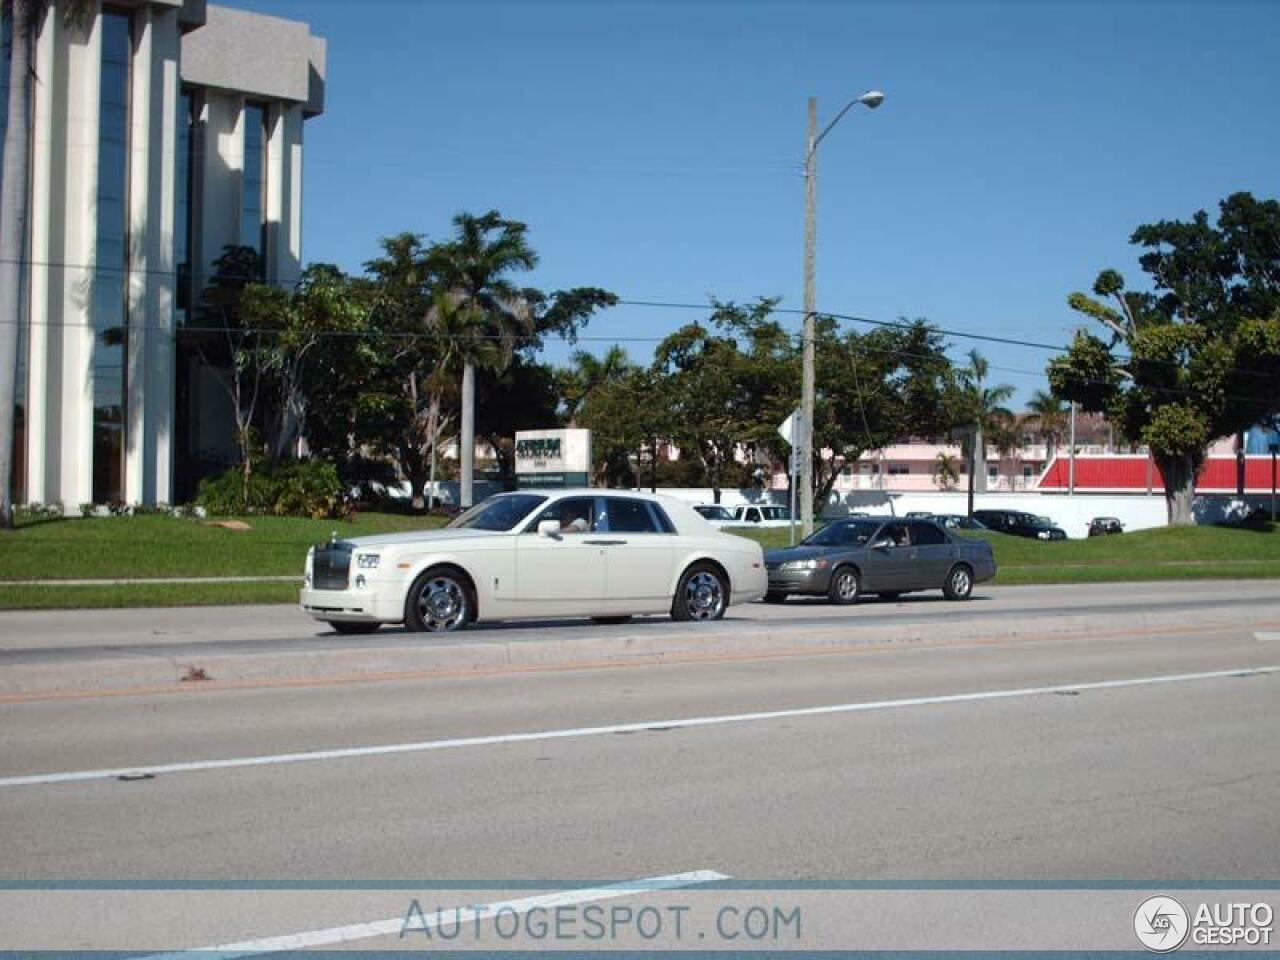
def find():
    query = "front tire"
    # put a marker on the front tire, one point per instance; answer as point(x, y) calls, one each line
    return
point(440, 601)
point(351, 628)
point(959, 583)
point(703, 594)
point(845, 586)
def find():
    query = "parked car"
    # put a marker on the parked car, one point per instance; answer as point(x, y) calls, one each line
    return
point(850, 558)
point(715, 514)
point(1020, 524)
point(573, 553)
point(764, 515)
point(958, 521)
point(1105, 526)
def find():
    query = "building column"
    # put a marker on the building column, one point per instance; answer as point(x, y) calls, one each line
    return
point(284, 195)
point(154, 108)
point(48, 143)
point(71, 302)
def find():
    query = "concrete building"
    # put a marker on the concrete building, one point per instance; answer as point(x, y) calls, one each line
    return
point(162, 132)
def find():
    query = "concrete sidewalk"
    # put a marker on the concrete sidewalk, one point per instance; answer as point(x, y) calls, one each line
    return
point(65, 652)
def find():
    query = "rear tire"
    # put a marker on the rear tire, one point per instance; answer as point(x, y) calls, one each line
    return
point(959, 583)
point(845, 586)
point(352, 628)
point(702, 595)
point(775, 598)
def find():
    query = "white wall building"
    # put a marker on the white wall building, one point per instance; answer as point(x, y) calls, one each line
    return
point(162, 131)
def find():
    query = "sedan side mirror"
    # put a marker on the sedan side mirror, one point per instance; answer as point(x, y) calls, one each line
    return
point(549, 528)
point(882, 544)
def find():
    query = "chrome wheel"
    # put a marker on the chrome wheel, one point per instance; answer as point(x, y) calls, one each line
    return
point(441, 604)
point(704, 596)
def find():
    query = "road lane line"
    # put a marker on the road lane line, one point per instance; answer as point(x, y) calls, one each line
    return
point(423, 746)
point(429, 919)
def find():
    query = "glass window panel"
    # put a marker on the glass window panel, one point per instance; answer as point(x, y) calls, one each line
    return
point(108, 301)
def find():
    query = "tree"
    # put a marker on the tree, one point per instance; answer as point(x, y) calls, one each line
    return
point(24, 17)
point(587, 373)
point(945, 472)
point(984, 417)
point(474, 269)
point(1195, 358)
point(1050, 417)
point(235, 351)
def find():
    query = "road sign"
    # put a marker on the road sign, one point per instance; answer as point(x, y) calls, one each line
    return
point(789, 429)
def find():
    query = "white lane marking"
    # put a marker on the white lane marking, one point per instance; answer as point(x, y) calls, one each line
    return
point(423, 746)
point(1266, 636)
point(428, 919)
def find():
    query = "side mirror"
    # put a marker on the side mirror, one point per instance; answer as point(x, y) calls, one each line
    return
point(549, 528)
point(884, 544)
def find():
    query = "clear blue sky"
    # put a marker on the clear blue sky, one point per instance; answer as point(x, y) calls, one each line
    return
point(655, 148)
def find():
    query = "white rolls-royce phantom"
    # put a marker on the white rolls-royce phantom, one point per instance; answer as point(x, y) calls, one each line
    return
point(602, 554)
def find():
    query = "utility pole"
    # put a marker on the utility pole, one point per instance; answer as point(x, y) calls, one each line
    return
point(807, 386)
point(1071, 460)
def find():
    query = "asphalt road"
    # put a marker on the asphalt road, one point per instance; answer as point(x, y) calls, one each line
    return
point(1013, 759)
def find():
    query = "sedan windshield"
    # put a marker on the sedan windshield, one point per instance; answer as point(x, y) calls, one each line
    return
point(498, 513)
point(845, 534)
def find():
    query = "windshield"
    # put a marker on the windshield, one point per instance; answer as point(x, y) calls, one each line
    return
point(844, 534)
point(498, 513)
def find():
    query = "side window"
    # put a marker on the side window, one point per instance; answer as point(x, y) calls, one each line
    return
point(926, 535)
point(660, 518)
point(626, 516)
point(576, 515)
point(753, 516)
point(895, 533)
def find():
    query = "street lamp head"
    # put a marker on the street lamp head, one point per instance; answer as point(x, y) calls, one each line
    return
point(872, 99)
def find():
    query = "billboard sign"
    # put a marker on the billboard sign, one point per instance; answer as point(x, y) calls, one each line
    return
point(553, 458)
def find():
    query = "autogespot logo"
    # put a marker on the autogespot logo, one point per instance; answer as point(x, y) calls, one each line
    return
point(1161, 924)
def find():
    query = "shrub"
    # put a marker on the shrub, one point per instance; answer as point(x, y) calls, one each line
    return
point(294, 488)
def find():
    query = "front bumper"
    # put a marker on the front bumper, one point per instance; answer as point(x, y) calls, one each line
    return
point(360, 606)
point(799, 581)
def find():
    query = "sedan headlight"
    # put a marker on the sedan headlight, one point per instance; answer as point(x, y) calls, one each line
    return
point(804, 565)
point(368, 561)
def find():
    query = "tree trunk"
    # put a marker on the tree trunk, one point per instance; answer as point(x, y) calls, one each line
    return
point(13, 231)
point(1179, 474)
point(467, 441)
point(433, 430)
point(979, 460)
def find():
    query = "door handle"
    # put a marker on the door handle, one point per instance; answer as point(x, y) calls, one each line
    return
point(605, 543)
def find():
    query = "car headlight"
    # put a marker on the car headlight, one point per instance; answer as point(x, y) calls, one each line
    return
point(804, 565)
point(368, 561)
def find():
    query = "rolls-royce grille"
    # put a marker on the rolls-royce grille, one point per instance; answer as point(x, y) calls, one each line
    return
point(331, 565)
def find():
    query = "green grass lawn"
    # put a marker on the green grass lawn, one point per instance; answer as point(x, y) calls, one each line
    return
point(157, 546)
point(1163, 554)
point(160, 546)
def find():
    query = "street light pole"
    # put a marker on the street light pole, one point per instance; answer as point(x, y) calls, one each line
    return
point(871, 99)
point(807, 388)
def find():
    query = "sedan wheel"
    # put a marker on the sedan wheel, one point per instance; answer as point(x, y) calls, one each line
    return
point(844, 586)
point(703, 594)
point(959, 583)
point(438, 602)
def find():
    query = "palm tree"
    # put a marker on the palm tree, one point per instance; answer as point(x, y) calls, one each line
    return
point(24, 18)
point(473, 269)
point(986, 416)
point(1049, 414)
point(590, 372)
